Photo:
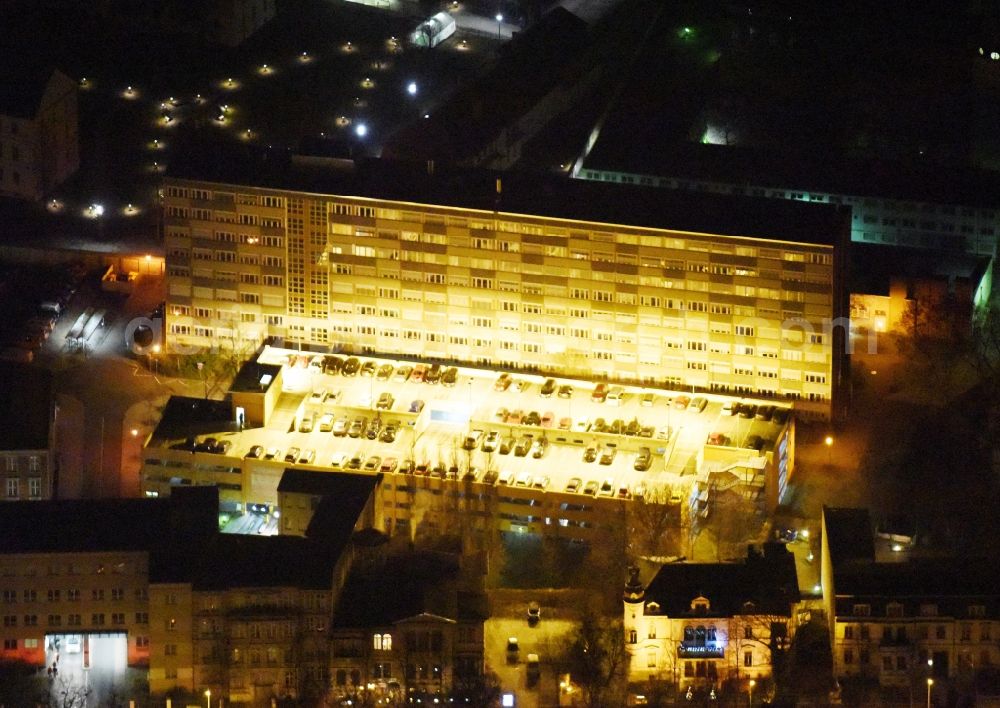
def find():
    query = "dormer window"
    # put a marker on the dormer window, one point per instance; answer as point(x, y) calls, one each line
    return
point(652, 607)
point(700, 605)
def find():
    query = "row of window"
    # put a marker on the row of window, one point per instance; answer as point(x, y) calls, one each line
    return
point(72, 619)
point(921, 631)
point(71, 595)
point(927, 609)
point(12, 487)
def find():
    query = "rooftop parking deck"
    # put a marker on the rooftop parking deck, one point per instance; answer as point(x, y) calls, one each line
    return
point(633, 439)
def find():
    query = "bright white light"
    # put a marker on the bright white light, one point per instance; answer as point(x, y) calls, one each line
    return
point(411, 88)
point(499, 17)
point(97, 209)
point(361, 130)
point(507, 700)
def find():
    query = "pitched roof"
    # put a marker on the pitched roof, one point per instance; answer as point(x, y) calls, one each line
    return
point(22, 86)
point(345, 495)
point(767, 580)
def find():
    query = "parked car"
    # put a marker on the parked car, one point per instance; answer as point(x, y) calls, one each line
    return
point(449, 377)
point(402, 373)
point(730, 407)
point(368, 368)
point(590, 454)
point(388, 434)
point(754, 442)
point(385, 401)
point(681, 402)
point(490, 477)
point(748, 410)
point(374, 427)
point(407, 466)
point(573, 485)
point(416, 406)
point(523, 479)
point(292, 455)
point(565, 391)
point(384, 372)
point(354, 463)
point(608, 487)
point(523, 446)
point(599, 426)
point(513, 649)
point(548, 418)
point(616, 396)
point(502, 383)
point(326, 423)
point(433, 375)
point(418, 373)
point(591, 488)
point(307, 457)
point(505, 477)
point(716, 438)
point(306, 424)
point(534, 613)
point(581, 425)
point(491, 441)
point(533, 418)
point(357, 427)
point(781, 415)
point(351, 366)
point(471, 441)
point(565, 423)
point(765, 413)
point(340, 427)
point(633, 427)
point(339, 459)
point(643, 460)
point(255, 451)
point(548, 388)
point(373, 463)
point(514, 417)
point(389, 464)
point(272, 453)
point(332, 365)
point(608, 455)
point(698, 404)
point(647, 399)
point(539, 449)
point(600, 393)
point(506, 445)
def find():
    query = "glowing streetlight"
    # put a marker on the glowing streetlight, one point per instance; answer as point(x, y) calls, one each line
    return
point(208, 698)
point(411, 88)
point(499, 22)
point(361, 130)
point(930, 684)
point(750, 691)
point(828, 441)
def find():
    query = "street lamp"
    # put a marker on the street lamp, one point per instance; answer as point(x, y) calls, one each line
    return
point(499, 20)
point(750, 692)
point(828, 441)
point(208, 698)
point(930, 683)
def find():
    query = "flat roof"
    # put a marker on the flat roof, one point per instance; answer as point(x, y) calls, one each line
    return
point(521, 193)
point(254, 377)
point(25, 407)
point(873, 266)
point(96, 525)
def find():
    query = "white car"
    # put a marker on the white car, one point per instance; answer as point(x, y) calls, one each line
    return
point(326, 423)
point(582, 425)
point(616, 395)
point(506, 477)
point(339, 459)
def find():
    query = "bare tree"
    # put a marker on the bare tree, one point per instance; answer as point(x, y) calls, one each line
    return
point(654, 524)
point(595, 659)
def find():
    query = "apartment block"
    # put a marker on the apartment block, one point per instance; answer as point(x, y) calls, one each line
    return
point(896, 623)
point(27, 434)
point(39, 141)
point(907, 205)
point(548, 275)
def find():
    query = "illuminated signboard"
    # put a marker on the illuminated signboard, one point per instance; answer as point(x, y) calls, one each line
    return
point(708, 651)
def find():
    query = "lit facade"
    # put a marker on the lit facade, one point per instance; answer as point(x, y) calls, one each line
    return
point(27, 435)
point(705, 626)
point(514, 290)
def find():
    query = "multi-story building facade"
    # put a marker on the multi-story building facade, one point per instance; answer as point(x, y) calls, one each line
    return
point(27, 434)
point(422, 644)
point(710, 292)
point(896, 205)
point(39, 142)
point(897, 623)
point(102, 585)
point(704, 627)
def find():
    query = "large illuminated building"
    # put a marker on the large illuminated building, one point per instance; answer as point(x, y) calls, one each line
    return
point(693, 291)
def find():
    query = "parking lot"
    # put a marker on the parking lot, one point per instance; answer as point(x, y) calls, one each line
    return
point(441, 429)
